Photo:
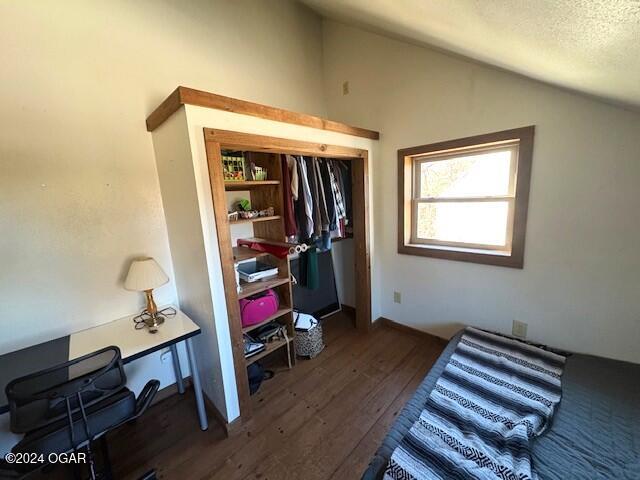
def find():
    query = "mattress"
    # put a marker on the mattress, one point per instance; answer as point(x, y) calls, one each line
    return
point(595, 434)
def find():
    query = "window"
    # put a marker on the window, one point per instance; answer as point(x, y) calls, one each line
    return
point(466, 199)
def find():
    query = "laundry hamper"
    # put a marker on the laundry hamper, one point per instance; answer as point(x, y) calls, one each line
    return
point(309, 342)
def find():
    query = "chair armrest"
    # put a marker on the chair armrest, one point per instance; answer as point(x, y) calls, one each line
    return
point(146, 396)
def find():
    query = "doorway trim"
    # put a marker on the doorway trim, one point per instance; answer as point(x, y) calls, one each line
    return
point(217, 140)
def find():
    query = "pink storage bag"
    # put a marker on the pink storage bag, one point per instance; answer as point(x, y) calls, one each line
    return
point(256, 308)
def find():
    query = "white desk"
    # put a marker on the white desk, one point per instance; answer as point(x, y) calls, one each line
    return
point(133, 344)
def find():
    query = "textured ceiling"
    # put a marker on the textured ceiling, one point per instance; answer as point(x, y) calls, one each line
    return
point(591, 46)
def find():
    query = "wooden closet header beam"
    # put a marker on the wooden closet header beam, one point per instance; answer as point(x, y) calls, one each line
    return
point(184, 95)
point(261, 143)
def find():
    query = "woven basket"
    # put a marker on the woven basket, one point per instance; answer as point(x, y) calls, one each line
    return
point(309, 344)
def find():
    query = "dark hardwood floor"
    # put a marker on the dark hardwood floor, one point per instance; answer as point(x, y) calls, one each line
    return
point(323, 419)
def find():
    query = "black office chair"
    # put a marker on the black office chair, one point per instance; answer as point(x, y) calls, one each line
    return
point(68, 407)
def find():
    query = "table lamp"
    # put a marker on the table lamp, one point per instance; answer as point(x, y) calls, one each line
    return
point(144, 275)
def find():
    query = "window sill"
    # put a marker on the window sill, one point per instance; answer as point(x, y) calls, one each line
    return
point(472, 255)
point(451, 248)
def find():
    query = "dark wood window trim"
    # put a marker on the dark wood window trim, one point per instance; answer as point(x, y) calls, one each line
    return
point(525, 137)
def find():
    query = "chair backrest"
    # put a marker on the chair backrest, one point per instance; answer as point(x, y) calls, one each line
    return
point(41, 398)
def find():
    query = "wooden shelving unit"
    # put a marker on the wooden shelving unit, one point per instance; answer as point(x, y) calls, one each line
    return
point(248, 184)
point(264, 194)
point(271, 347)
point(281, 312)
point(249, 289)
point(255, 220)
point(241, 254)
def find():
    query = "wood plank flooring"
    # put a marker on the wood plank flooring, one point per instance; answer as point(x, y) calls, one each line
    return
point(323, 419)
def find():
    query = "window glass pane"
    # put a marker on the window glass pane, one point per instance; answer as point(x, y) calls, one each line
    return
point(465, 222)
point(480, 175)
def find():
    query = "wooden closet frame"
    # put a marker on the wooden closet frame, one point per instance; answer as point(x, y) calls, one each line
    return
point(217, 140)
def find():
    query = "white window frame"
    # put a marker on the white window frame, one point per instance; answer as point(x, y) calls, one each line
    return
point(416, 199)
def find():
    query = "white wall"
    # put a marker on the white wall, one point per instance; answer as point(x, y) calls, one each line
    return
point(79, 193)
point(580, 286)
point(188, 241)
point(78, 184)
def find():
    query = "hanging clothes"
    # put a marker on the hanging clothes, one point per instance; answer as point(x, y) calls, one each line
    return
point(304, 205)
point(322, 201)
point(339, 194)
point(328, 194)
point(348, 207)
point(336, 185)
point(290, 226)
point(293, 176)
point(319, 193)
point(309, 274)
point(312, 271)
point(315, 196)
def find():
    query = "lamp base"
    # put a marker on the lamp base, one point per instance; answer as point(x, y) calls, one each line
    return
point(153, 321)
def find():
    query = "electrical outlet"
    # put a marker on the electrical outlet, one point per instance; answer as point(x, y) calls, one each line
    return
point(397, 297)
point(345, 88)
point(519, 329)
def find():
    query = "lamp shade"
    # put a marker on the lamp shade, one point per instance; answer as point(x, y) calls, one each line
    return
point(145, 274)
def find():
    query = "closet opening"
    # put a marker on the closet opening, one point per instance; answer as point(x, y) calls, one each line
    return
point(255, 206)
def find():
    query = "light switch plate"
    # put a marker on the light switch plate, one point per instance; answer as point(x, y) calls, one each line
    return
point(397, 297)
point(519, 329)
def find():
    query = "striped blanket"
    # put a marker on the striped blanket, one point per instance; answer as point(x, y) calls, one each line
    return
point(494, 397)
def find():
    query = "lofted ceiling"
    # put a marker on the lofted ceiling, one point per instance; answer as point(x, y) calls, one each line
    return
point(589, 46)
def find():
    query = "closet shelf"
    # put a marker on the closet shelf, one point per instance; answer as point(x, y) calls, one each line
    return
point(245, 253)
point(249, 289)
point(271, 347)
point(278, 314)
point(254, 220)
point(248, 184)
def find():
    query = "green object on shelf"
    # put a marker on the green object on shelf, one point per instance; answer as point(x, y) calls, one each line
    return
point(245, 204)
point(259, 173)
point(233, 167)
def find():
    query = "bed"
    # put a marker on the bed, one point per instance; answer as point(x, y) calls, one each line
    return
point(595, 432)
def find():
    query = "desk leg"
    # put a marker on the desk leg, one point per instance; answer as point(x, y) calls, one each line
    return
point(197, 387)
point(176, 368)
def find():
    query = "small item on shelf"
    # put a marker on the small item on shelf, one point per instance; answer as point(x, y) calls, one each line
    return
point(271, 332)
point(257, 308)
point(267, 212)
point(259, 173)
point(251, 346)
point(273, 247)
point(247, 214)
point(243, 205)
point(233, 216)
point(250, 168)
point(233, 166)
point(254, 172)
point(252, 271)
